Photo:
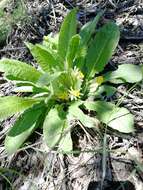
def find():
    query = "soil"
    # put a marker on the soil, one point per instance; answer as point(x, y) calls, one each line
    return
point(38, 168)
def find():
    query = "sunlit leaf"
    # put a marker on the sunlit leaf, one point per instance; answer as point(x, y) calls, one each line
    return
point(66, 144)
point(125, 73)
point(53, 127)
point(23, 89)
point(115, 117)
point(17, 70)
point(30, 87)
point(10, 105)
point(43, 57)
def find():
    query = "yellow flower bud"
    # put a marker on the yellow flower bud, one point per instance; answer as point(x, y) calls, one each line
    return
point(63, 96)
point(99, 80)
point(46, 38)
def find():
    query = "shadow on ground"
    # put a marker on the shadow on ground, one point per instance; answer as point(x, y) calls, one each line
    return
point(110, 185)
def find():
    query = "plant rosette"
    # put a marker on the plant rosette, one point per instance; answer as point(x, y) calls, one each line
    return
point(67, 78)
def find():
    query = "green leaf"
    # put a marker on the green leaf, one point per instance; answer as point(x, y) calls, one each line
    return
point(17, 70)
point(43, 57)
point(66, 144)
point(115, 117)
point(108, 90)
point(86, 35)
point(68, 29)
point(46, 78)
point(86, 120)
point(23, 128)
point(88, 29)
point(53, 127)
point(62, 84)
point(73, 49)
point(102, 48)
point(125, 73)
point(10, 105)
point(80, 60)
point(51, 42)
point(23, 89)
point(24, 83)
point(31, 89)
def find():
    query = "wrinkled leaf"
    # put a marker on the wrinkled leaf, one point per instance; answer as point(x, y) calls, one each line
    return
point(53, 127)
point(115, 117)
point(22, 129)
point(10, 105)
point(43, 57)
point(68, 29)
point(125, 73)
point(102, 48)
point(17, 70)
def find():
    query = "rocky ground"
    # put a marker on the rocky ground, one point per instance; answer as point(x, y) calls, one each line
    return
point(90, 167)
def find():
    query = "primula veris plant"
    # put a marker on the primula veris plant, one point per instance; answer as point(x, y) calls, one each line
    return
point(66, 83)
